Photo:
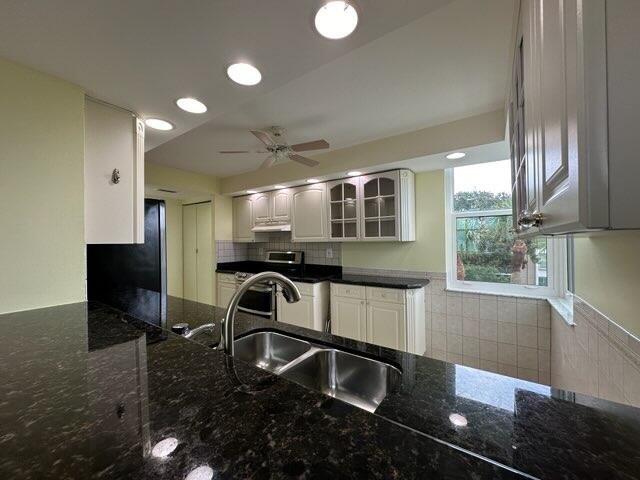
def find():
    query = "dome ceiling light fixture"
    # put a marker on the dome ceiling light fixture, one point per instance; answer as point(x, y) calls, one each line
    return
point(191, 105)
point(158, 124)
point(336, 19)
point(244, 74)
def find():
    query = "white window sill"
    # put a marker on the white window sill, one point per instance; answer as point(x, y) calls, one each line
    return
point(563, 307)
point(497, 294)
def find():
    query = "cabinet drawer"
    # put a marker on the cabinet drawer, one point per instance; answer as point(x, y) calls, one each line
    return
point(385, 294)
point(349, 291)
point(226, 278)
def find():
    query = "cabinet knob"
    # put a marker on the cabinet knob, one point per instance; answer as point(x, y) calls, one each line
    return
point(115, 176)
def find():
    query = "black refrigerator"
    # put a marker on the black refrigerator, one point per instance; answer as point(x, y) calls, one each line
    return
point(133, 277)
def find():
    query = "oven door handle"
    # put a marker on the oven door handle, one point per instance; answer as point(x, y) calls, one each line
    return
point(255, 312)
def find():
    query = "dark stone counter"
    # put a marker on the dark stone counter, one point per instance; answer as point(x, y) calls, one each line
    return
point(88, 391)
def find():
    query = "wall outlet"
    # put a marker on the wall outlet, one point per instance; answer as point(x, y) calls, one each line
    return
point(329, 252)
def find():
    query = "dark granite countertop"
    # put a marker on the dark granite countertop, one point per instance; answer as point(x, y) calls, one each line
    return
point(89, 391)
point(311, 273)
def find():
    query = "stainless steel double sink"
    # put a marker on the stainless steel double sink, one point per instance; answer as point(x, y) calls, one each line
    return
point(352, 378)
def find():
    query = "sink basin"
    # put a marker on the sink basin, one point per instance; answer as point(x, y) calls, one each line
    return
point(357, 380)
point(269, 350)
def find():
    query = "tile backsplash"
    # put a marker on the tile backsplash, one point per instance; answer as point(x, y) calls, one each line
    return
point(316, 253)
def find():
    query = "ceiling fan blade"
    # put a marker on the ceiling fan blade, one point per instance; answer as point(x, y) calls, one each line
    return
point(315, 145)
point(270, 160)
point(264, 137)
point(234, 151)
point(304, 160)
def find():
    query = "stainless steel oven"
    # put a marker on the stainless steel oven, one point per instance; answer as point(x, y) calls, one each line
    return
point(261, 299)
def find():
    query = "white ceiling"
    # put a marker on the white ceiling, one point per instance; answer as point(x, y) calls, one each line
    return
point(410, 64)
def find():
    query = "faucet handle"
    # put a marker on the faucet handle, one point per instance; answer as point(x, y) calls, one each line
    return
point(180, 328)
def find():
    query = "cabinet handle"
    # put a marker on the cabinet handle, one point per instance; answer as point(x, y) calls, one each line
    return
point(115, 176)
point(530, 220)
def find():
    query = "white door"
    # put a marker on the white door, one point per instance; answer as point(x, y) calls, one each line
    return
point(349, 318)
point(243, 220)
point(225, 292)
point(281, 206)
point(189, 252)
point(261, 208)
point(309, 213)
point(386, 325)
point(204, 247)
point(299, 313)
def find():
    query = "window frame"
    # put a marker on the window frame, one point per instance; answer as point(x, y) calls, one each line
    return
point(556, 257)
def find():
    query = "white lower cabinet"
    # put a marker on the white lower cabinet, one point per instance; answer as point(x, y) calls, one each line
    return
point(349, 317)
point(226, 288)
point(388, 317)
point(386, 324)
point(312, 311)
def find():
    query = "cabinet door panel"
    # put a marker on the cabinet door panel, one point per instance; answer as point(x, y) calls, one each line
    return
point(349, 318)
point(261, 208)
point(225, 292)
point(243, 219)
point(309, 213)
point(299, 313)
point(386, 325)
point(281, 206)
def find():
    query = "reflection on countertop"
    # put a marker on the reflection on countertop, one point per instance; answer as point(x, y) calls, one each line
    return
point(92, 392)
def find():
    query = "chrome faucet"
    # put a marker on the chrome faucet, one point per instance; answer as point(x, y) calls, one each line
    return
point(289, 291)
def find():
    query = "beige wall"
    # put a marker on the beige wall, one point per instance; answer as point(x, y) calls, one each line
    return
point(607, 271)
point(427, 253)
point(42, 252)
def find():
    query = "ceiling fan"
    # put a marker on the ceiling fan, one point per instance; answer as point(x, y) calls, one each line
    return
point(280, 150)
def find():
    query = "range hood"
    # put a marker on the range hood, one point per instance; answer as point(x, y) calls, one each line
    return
point(272, 228)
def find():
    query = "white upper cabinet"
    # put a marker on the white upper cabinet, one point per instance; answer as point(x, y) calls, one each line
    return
point(243, 220)
point(281, 206)
point(261, 208)
point(272, 208)
point(344, 209)
point(309, 213)
point(387, 206)
point(113, 175)
point(573, 116)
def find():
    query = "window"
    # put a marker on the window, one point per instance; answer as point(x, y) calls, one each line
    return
point(483, 252)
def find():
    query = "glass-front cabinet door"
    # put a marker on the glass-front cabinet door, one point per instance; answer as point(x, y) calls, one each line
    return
point(344, 209)
point(380, 206)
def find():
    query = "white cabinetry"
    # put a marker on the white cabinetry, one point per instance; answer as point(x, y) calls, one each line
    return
point(572, 116)
point(225, 290)
point(392, 318)
point(197, 251)
point(344, 209)
point(243, 220)
point(309, 213)
point(387, 206)
point(272, 208)
point(113, 175)
point(312, 311)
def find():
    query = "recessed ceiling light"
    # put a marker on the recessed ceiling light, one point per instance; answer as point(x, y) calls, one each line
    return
point(354, 173)
point(158, 124)
point(244, 74)
point(252, 191)
point(279, 186)
point(456, 155)
point(458, 420)
point(336, 19)
point(191, 105)
point(313, 180)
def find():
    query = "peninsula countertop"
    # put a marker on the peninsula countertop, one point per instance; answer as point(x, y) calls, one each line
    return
point(89, 392)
